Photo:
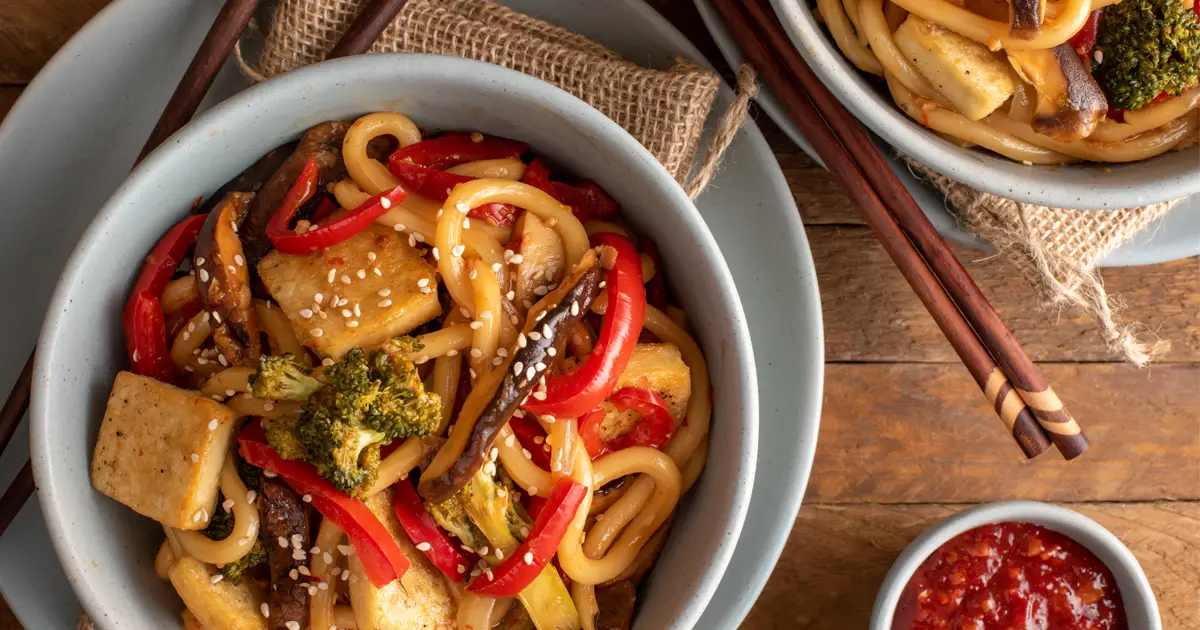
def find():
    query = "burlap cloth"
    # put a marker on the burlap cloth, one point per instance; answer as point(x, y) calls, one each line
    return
point(665, 110)
point(1057, 250)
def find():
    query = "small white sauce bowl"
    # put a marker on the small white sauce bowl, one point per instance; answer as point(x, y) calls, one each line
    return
point(1141, 609)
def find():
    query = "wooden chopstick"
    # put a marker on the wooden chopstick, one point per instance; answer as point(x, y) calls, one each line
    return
point(1029, 381)
point(929, 288)
point(196, 81)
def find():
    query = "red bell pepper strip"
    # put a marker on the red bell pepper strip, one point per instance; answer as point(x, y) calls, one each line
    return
point(437, 185)
point(422, 529)
point(1085, 38)
point(302, 189)
point(381, 557)
point(654, 429)
point(586, 199)
point(147, 338)
point(527, 431)
point(576, 393)
point(324, 210)
point(527, 562)
point(451, 150)
point(335, 231)
point(138, 319)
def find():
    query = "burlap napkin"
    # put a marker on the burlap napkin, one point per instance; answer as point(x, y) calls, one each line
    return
point(1057, 251)
point(665, 110)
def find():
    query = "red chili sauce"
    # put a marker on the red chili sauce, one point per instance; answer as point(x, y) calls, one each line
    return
point(1011, 576)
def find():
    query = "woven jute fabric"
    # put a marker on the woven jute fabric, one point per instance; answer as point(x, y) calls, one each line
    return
point(665, 110)
point(1057, 251)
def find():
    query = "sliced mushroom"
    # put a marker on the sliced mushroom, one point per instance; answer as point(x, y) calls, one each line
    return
point(1069, 101)
point(1025, 18)
point(555, 314)
point(284, 518)
point(615, 604)
point(322, 143)
point(542, 258)
point(224, 281)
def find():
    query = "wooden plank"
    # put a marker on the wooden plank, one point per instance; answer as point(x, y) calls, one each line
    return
point(871, 314)
point(922, 433)
point(837, 556)
point(30, 32)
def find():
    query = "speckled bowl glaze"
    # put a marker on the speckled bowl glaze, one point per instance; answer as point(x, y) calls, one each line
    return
point(1090, 186)
point(108, 550)
point(1141, 608)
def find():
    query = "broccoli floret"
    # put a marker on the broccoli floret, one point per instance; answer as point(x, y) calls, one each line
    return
point(451, 515)
point(283, 378)
point(221, 523)
point(1147, 47)
point(368, 402)
point(256, 556)
point(251, 475)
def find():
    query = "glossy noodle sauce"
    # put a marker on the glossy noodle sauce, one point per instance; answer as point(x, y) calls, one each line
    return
point(1011, 576)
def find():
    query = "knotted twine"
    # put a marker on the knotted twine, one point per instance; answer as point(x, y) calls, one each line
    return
point(665, 110)
point(1057, 250)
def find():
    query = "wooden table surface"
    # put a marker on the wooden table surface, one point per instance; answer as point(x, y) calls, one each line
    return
point(906, 439)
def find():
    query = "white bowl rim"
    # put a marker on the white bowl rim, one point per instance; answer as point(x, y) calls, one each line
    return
point(1131, 580)
point(600, 126)
point(1040, 185)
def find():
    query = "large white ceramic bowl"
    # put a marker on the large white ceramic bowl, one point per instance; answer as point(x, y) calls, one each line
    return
point(107, 550)
point(1098, 186)
point(1141, 609)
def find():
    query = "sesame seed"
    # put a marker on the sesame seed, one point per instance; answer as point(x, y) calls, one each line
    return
point(270, 474)
point(436, 256)
point(216, 317)
point(461, 569)
point(514, 319)
point(195, 458)
point(452, 353)
point(307, 498)
point(293, 624)
point(476, 353)
point(217, 578)
point(474, 274)
point(204, 275)
point(521, 340)
point(346, 550)
point(384, 303)
point(385, 202)
point(494, 453)
point(508, 254)
point(551, 351)
point(547, 332)
point(327, 362)
point(526, 453)
point(517, 367)
point(268, 406)
point(316, 332)
point(412, 240)
point(331, 275)
point(283, 543)
point(230, 392)
point(352, 324)
point(399, 227)
point(458, 250)
point(476, 325)
point(603, 283)
point(540, 316)
point(488, 573)
point(497, 361)
point(541, 291)
point(345, 279)
point(489, 469)
point(243, 541)
point(294, 574)
point(377, 271)
point(530, 373)
point(511, 295)
point(539, 395)
point(528, 557)
point(466, 223)
point(228, 504)
point(306, 313)
point(424, 546)
point(502, 352)
point(296, 540)
point(535, 335)
point(516, 259)
point(438, 215)
point(324, 586)
point(499, 554)
point(347, 313)
point(266, 610)
point(472, 372)
point(475, 572)
point(540, 366)
point(357, 310)
point(532, 491)
point(419, 236)
point(225, 362)
point(483, 551)
point(328, 558)
point(251, 495)
point(299, 554)
point(462, 207)
point(361, 273)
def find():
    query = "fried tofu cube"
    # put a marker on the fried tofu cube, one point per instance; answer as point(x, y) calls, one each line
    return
point(418, 600)
point(161, 449)
point(227, 605)
point(659, 367)
point(963, 71)
point(373, 274)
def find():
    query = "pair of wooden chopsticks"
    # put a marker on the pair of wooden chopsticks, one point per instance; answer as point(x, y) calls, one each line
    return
point(196, 81)
point(1016, 388)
